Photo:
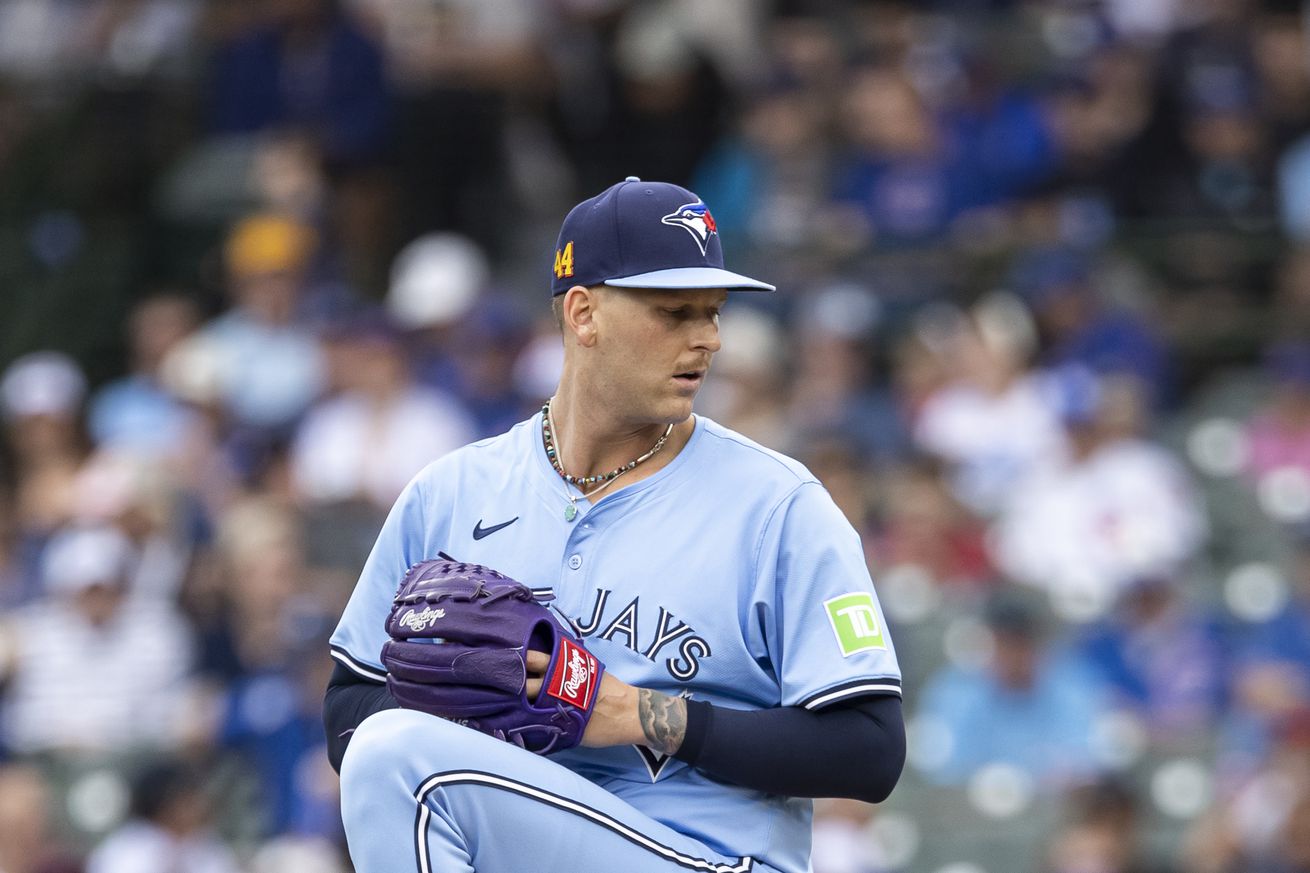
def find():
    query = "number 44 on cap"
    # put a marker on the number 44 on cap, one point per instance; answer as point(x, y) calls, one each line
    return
point(564, 261)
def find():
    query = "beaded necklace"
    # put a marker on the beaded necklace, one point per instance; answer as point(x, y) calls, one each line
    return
point(602, 481)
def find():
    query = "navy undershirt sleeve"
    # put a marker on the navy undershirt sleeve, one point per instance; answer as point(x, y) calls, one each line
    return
point(854, 749)
point(349, 700)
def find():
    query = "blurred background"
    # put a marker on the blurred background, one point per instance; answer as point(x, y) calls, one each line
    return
point(1043, 330)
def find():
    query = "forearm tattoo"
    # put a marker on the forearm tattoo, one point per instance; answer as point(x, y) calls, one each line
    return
point(663, 720)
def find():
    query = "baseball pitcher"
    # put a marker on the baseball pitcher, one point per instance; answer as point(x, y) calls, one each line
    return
point(619, 636)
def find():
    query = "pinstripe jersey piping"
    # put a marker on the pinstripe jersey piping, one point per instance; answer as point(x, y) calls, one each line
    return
point(854, 688)
point(367, 671)
point(532, 792)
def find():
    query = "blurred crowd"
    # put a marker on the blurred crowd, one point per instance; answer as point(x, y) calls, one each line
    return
point(1043, 331)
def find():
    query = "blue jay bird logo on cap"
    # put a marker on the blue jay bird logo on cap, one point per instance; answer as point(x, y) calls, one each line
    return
point(695, 218)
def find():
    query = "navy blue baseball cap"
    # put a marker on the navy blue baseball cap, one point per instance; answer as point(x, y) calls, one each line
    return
point(643, 235)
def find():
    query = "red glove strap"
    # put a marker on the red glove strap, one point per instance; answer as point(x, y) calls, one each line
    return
point(573, 675)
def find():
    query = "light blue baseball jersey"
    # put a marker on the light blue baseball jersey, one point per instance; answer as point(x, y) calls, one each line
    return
point(729, 576)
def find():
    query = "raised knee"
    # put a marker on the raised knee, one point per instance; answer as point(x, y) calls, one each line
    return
point(381, 746)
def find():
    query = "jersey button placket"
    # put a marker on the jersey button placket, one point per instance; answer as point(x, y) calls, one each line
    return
point(575, 562)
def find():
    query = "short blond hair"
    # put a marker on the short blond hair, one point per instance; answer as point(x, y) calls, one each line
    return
point(557, 309)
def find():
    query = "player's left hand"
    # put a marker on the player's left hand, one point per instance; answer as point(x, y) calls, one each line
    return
point(459, 634)
point(614, 720)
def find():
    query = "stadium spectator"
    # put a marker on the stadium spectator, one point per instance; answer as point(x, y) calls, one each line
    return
point(645, 95)
point(842, 842)
point(769, 180)
point(1101, 114)
point(1259, 825)
point(538, 365)
point(48, 38)
point(835, 389)
point(304, 65)
point(1115, 509)
point(486, 345)
point(1279, 432)
point(991, 422)
point(902, 179)
point(1030, 706)
point(29, 839)
point(1078, 327)
point(88, 669)
point(1278, 44)
point(845, 473)
point(136, 413)
point(1102, 831)
point(1163, 659)
point(436, 281)
point(1000, 134)
point(462, 339)
point(267, 609)
point(267, 366)
point(41, 397)
point(474, 60)
point(368, 440)
point(748, 392)
point(205, 471)
point(140, 498)
point(925, 527)
point(1225, 175)
point(170, 828)
point(1271, 672)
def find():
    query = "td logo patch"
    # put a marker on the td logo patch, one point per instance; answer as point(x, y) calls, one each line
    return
point(855, 622)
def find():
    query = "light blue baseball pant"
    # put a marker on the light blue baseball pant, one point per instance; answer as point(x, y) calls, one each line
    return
point(419, 793)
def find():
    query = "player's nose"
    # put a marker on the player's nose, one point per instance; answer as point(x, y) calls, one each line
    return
point(707, 336)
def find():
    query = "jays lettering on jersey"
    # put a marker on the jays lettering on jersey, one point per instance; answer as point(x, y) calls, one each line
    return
point(729, 576)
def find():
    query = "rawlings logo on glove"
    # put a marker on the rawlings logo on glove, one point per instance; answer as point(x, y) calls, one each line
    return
point(576, 680)
point(474, 670)
point(421, 621)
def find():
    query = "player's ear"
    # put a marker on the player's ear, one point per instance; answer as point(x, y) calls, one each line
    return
point(579, 314)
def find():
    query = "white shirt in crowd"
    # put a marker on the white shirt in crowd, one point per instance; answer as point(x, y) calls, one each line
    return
point(1089, 528)
point(141, 847)
point(74, 686)
point(348, 447)
point(990, 439)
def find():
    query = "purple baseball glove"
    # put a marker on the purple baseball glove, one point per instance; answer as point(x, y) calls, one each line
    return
point(460, 634)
